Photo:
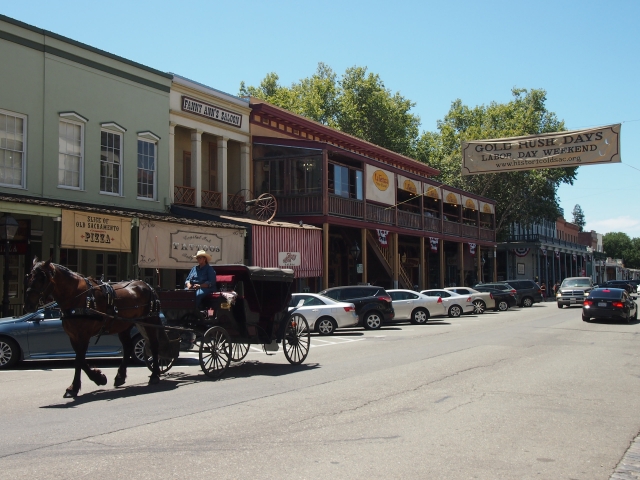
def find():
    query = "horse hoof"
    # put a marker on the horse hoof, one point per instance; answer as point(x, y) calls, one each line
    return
point(154, 380)
point(119, 381)
point(102, 379)
point(70, 394)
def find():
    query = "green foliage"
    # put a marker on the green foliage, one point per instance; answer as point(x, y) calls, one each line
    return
point(358, 104)
point(620, 245)
point(578, 217)
point(525, 197)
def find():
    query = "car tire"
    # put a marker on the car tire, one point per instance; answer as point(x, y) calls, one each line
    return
point(479, 307)
point(585, 319)
point(138, 356)
point(455, 311)
point(372, 320)
point(503, 306)
point(560, 305)
point(326, 326)
point(9, 353)
point(419, 316)
point(527, 302)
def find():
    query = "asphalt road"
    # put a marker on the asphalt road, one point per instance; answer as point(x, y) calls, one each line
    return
point(528, 393)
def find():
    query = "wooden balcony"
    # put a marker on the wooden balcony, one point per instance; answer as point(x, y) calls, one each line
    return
point(409, 220)
point(184, 195)
point(377, 214)
point(469, 231)
point(431, 224)
point(451, 228)
point(300, 205)
point(211, 199)
point(345, 207)
point(486, 234)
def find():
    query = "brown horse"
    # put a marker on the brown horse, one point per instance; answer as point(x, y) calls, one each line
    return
point(76, 295)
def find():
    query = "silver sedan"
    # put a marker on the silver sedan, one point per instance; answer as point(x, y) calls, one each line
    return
point(481, 300)
point(456, 304)
point(414, 306)
point(324, 314)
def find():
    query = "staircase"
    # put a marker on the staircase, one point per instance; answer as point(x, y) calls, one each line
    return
point(385, 257)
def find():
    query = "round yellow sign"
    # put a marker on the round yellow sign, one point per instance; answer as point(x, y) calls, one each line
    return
point(380, 180)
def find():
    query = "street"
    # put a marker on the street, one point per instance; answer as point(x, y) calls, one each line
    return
point(527, 393)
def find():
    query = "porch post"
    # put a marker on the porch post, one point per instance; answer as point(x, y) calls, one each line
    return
point(172, 162)
point(461, 261)
point(363, 242)
point(246, 179)
point(196, 164)
point(495, 265)
point(421, 280)
point(479, 276)
point(222, 170)
point(441, 252)
point(325, 255)
point(396, 262)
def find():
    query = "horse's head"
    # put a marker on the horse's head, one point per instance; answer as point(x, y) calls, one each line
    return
point(38, 285)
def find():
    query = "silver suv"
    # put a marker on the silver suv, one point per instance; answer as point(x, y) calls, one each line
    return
point(573, 291)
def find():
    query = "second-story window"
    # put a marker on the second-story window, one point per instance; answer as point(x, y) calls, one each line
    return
point(345, 182)
point(12, 148)
point(70, 154)
point(146, 169)
point(110, 162)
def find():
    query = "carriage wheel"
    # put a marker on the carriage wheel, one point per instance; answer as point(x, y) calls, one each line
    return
point(215, 352)
point(296, 339)
point(165, 364)
point(266, 207)
point(239, 351)
point(237, 203)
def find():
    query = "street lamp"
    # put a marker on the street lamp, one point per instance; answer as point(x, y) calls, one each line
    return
point(8, 229)
point(355, 252)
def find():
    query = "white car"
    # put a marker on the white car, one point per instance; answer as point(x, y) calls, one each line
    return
point(481, 300)
point(414, 306)
point(323, 314)
point(455, 304)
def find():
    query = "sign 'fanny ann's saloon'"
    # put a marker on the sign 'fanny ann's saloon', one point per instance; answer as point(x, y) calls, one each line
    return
point(203, 109)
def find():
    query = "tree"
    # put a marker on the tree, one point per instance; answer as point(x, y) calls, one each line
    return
point(616, 244)
point(358, 104)
point(578, 217)
point(524, 197)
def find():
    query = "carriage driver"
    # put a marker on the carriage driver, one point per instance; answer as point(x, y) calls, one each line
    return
point(202, 277)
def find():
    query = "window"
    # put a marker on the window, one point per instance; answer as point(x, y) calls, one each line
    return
point(69, 258)
point(146, 169)
point(107, 266)
point(110, 162)
point(345, 182)
point(12, 148)
point(70, 154)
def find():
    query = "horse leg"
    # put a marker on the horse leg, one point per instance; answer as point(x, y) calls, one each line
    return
point(127, 350)
point(80, 347)
point(73, 389)
point(155, 347)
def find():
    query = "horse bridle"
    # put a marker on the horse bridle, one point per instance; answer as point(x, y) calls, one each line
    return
point(49, 285)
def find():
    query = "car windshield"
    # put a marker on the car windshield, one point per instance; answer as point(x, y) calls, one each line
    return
point(576, 282)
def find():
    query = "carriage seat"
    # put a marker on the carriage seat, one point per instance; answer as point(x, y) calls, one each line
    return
point(223, 295)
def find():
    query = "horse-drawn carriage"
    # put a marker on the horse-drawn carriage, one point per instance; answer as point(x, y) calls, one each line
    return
point(250, 307)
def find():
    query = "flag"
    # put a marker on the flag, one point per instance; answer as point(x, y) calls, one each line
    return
point(434, 244)
point(472, 248)
point(382, 238)
point(544, 251)
point(558, 254)
point(575, 258)
point(521, 252)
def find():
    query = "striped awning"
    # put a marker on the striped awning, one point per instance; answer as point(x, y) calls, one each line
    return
point(274, 247)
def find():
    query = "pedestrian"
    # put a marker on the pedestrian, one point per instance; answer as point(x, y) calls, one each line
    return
point(202, 277)
point(543, 289)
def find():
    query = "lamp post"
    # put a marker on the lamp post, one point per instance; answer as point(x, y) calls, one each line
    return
point(8, 230)
point(355, 253)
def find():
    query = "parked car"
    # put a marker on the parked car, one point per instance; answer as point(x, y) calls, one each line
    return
point(324, 314)
point(504, 299)
point(609, 303)
point(414, 306)
point(618, 284)
point(528, 292)
point(502, 286)
point(480, 300)
point(573, 291)
point(455, 304)
point(373, 304)
point(40, 336)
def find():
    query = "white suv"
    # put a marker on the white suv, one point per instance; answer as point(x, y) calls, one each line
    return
point(573, 291)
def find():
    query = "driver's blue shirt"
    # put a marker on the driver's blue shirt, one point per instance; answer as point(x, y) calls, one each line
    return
point(200, 275)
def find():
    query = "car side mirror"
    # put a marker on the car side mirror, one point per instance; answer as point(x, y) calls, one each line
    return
point(38, 316)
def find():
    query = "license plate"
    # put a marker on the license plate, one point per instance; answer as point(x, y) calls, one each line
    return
point(572, 300)
point(602, 304)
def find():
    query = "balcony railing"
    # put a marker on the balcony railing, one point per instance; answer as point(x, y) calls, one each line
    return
point(469, 231)
point(409, 220)
point(544, 239)
point(451, 228)
point(377, 214)
point(299, 205)
point(431, 224)
point(211, 199)
point(345, 207)
point(184, 195)
point(489, 235)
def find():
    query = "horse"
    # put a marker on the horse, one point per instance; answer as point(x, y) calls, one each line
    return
point(77, 296)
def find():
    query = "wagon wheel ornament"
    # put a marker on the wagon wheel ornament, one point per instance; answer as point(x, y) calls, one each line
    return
point(264, 207)
point(238, 204)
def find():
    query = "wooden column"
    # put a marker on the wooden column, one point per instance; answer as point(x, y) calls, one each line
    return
point(479, 278)
point(396, 260)
point(495, 265)
point(461, 263)
point(423, 276)
point(223, 170)
point(441, 253)
point(325, 255)
point(363, 248)
point(196, 165)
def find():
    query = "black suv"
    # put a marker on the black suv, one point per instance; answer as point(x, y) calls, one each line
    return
point(625, 284)
point(528, 292)
point(373, 304)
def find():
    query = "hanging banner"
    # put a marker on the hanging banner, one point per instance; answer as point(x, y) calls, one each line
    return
point(575, 258)
point(173, 245)
point(521, 252)
point(380, 185)
point(548, 150)
point(382, 238)
point(93, 231)
point(468, 202)
point(558, 254)
point(544, 251)
point(409, 185)
point(487, 208)
point(451, 197)
point(472, 249)
point(431, 191)
point(434, 244)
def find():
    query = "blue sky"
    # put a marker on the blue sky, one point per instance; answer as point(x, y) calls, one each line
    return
point(585, 54)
